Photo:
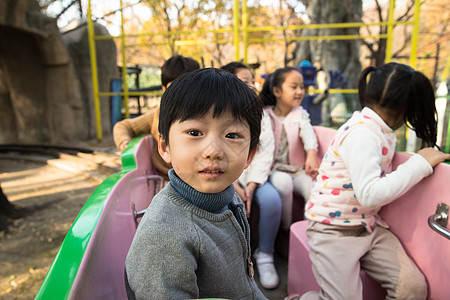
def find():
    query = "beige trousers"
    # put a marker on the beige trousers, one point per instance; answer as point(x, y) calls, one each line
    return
point(339, 252)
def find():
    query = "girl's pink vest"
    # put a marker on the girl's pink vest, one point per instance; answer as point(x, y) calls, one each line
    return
point(291, 123)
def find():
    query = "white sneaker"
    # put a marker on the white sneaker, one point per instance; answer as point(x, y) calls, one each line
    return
point(268, 276)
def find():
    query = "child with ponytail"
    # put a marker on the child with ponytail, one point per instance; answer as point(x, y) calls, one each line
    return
point(295, 161)
point(355, 181)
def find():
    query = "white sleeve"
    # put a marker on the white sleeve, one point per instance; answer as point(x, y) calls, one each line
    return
point(307, 133)
point(259, 169)
point(361, 153)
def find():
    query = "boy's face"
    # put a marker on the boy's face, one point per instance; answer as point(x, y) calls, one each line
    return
point(208, 153)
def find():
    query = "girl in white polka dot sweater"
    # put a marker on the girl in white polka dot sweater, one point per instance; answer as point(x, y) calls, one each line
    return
point(355, 180)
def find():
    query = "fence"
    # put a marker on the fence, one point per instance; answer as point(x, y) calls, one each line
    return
point(240, 37)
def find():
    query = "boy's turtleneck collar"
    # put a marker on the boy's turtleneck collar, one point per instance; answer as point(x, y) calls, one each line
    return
point(211, 202)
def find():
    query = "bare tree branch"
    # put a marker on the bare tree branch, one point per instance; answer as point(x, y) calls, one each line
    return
point(65, 9)
point(406, 15)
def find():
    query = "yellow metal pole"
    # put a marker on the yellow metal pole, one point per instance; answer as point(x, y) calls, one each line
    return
point(444, 74)
point(244, 28)
point(124, 64)
point(390, 29)
point(236, 28)
point(415, 34)
point(93, 55)
point(412, 138)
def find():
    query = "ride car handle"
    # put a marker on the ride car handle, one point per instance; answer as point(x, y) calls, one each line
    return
point(438, 222)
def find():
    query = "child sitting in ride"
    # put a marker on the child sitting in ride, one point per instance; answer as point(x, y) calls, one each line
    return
point(253, 186)
point(355, 180)
point(127, 129)
point(193, 241)
point(295, 161)
point(242, 72)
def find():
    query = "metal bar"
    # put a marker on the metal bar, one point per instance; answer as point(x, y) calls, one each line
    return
point(444, 77)
point(254, 29)
point(390, 29)
point(335, 91)
point(199, 42)
point(415, 33)
point(93, 56)
point(244, 28)
point(124, 64)
point(412, 138)
point(181, 43)
point(150, 93)
point(328, 25)
point(444, 74)
point(164, 33)
point(224, 41)
point(439, 220)
point(447, 142)
point(159, 93)
point(236, 28)
point(315, 38)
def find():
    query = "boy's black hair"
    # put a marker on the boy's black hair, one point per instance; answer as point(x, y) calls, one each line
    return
point(193, 94)
point(404, 91)
point(176, 66)
point(233, 66)
point(276, 79)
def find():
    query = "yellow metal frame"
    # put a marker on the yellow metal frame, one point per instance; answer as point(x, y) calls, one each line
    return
point(237, 29)
point(95, 89)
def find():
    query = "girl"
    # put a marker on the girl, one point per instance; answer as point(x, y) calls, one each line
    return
point(242, 72)
point(294, 159)
point(355, 180)
point(254, 182)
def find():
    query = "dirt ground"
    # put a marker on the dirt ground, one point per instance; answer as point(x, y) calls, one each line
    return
point(57, 194)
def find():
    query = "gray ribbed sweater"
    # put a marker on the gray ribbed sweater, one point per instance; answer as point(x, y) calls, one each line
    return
point(181, 251)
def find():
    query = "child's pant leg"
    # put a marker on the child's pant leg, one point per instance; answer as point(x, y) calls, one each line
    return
point(269, 202)
point(388, 263)
point(335, 254)
point(302, 185)
point(283, 183)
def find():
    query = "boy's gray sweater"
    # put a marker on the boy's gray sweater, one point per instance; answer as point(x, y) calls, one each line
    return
point(181, 251)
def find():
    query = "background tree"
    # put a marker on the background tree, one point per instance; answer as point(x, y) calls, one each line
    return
point(7, 211)
point(342, 55)
point(325, 55)
point(377, 12)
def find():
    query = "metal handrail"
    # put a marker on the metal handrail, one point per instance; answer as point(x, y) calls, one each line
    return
point(157, 186)
point(438, 222)
point(243, 28)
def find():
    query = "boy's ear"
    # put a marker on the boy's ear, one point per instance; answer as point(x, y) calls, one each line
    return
point(163, 149)
point(250, 157)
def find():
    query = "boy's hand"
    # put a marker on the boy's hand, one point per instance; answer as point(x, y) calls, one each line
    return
point(243, 195)
point(433, 156)
point(123, 145)
point(312, 164)
point(239, 191)
point(249, 191)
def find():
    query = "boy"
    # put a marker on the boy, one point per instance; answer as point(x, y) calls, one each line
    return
point(127, 129)
point(193, 241)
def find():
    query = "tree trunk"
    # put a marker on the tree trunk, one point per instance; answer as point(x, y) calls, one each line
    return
point(341, 55)
point(7, 211)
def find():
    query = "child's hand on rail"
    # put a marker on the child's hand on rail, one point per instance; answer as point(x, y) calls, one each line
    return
point(433, 156)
